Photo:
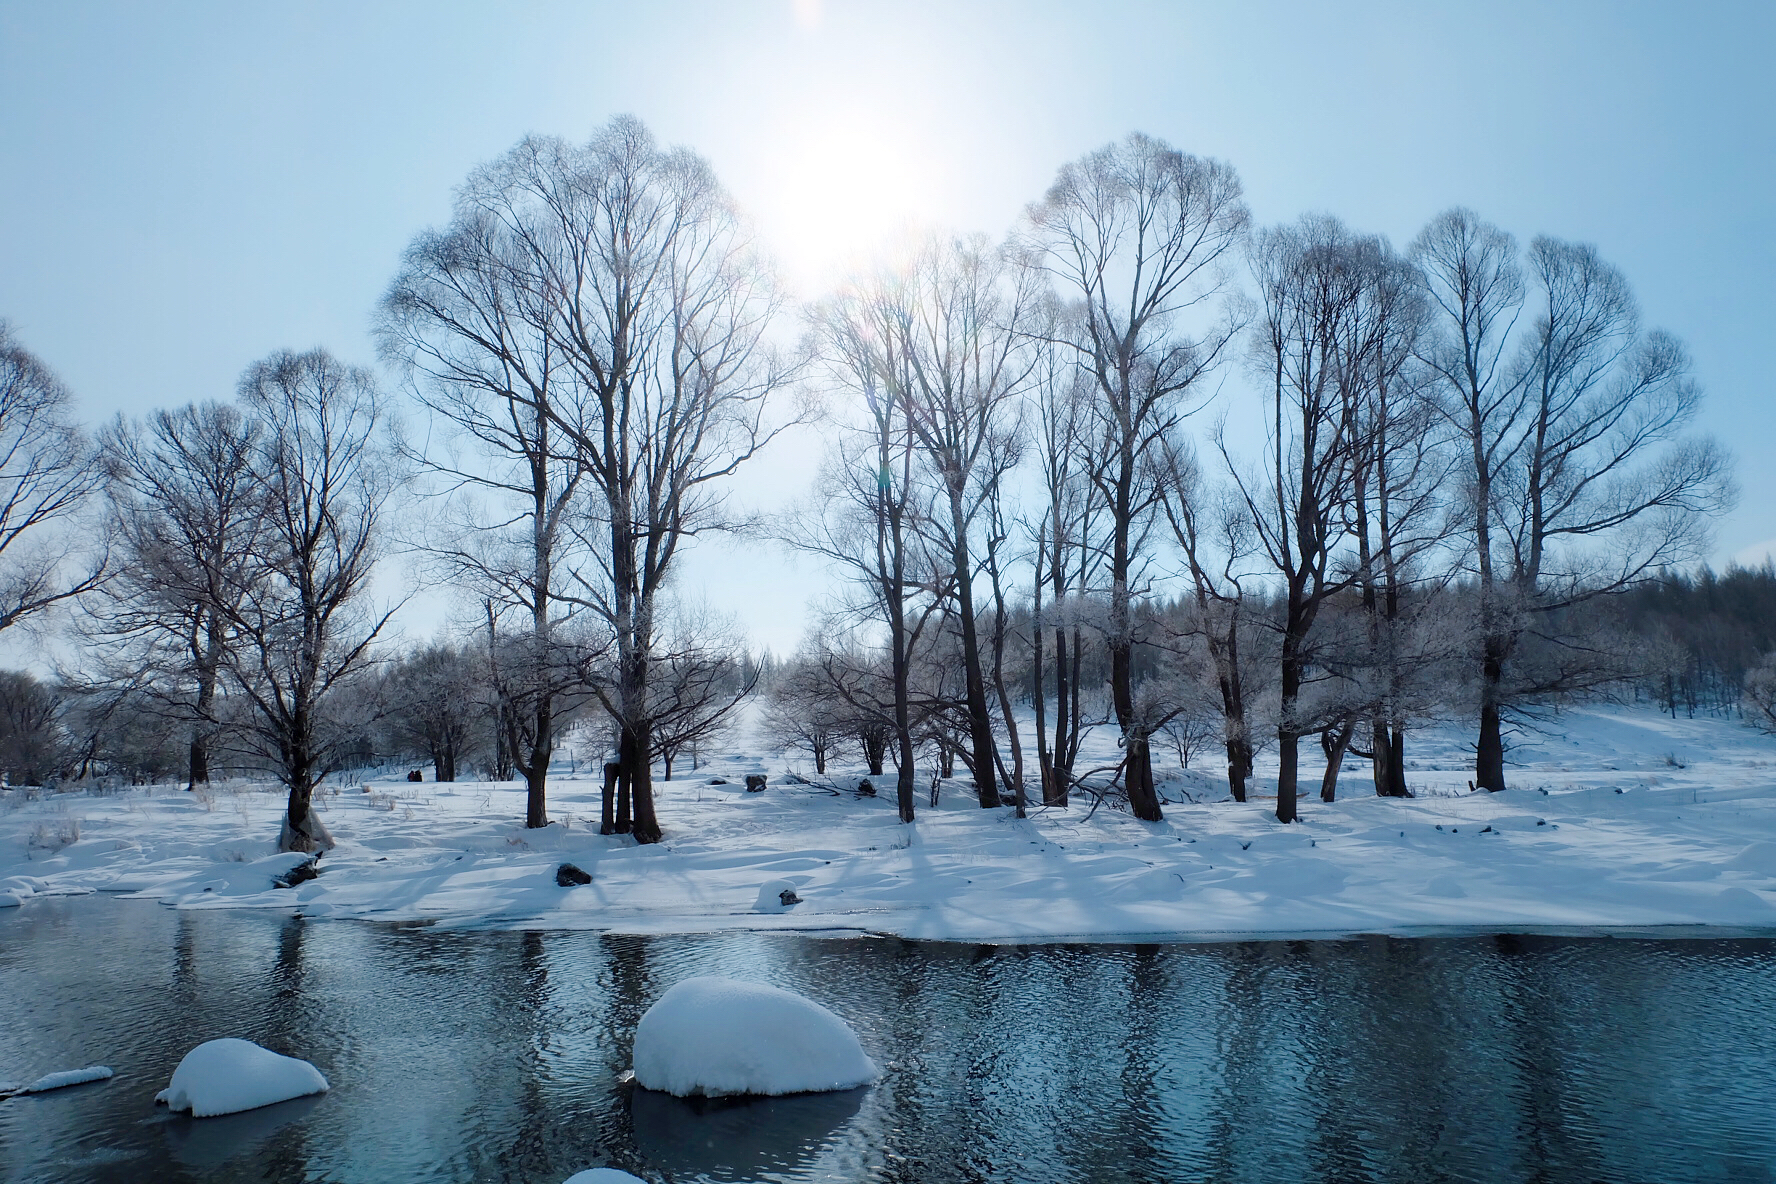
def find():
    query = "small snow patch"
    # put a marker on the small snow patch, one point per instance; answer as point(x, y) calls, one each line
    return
point(603, 1176)
point(66, 1078)
point(716, 1037)
point(227, 1076)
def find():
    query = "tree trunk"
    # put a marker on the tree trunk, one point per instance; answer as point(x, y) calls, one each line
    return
point(1489, 752)
point(1064, 705)
point(646, 825)
point(625, 782)
point(1239, 764)
point(1288, 759)
point(1334, 742)
point(200, 759)
point(607, 819)
point(980, 720)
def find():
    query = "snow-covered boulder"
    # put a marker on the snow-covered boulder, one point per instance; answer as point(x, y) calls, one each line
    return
point(718, 1036)
point(228, 1076)
point(603, 1176)
point(10, 900)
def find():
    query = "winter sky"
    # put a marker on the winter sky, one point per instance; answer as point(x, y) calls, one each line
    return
point(186, 187)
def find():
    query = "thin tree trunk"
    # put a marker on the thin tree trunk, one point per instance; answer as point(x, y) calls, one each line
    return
point(1334, 742)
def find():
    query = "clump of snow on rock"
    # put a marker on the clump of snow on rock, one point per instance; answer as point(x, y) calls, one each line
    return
point(776, 896)
point(228, 1076)
point(717, 1036)
point(603, 1176)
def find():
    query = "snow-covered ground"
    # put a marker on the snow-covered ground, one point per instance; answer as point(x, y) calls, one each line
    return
point(1620, 818)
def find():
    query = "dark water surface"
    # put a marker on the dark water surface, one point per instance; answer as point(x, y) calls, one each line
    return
point(460, 1056)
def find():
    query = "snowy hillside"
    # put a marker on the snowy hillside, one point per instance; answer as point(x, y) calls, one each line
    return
point(1619, 819)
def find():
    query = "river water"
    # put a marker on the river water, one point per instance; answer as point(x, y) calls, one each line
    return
point(493, 1056)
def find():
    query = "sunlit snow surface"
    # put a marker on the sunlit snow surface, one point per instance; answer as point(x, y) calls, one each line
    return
point(1618, 818)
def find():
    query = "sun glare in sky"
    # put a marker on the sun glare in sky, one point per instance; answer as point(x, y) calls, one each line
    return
point(843, 183)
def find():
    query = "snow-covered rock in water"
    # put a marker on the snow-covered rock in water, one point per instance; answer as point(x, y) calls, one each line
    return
point(603, 1176)
point(10, 900)
point(776, 896)
point(228, 1076)
point(23, 885)
point(65, 1078)
point(718, 1036)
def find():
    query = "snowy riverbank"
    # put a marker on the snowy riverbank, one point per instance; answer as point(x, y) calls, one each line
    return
point(1620, 819)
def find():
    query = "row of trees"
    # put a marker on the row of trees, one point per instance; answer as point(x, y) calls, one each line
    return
point(1461, 446)
point(1464, 447)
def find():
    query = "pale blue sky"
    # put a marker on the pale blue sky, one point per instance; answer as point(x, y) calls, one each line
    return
point(186, 187)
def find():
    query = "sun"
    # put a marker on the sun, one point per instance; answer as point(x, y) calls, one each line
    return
point(842, 185)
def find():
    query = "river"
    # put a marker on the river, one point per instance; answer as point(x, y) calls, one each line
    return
point(498, 1056)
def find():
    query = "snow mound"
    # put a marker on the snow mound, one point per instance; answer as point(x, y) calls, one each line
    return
point(1759, 857)
point(603, 1176)
point(776, 896)
point(228, 1076)
point(67, 1077)
point(10, 900)
point(718, 1036)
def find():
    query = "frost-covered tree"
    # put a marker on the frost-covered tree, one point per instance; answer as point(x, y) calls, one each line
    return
point(1583, 477)
point(1136, 236)
point(188, 514)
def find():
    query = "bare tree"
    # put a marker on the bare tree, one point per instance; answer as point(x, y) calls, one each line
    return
point(432, 703)
point(1213, 530)
point(653, 308)
point(701, 678)
point(1136, 235)
point(475, 323)
point(954, 351)
point(47, 474)
point(1313, 279)
point(188, 512)
point(1581, 479)
point(303, 633)
point(801, 710)
point(1400, 520)
point(870, 506)
point(1063, 556)
point(34, 745)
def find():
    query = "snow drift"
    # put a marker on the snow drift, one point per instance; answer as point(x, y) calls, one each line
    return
point(228, 1076)
point(716, 1037)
